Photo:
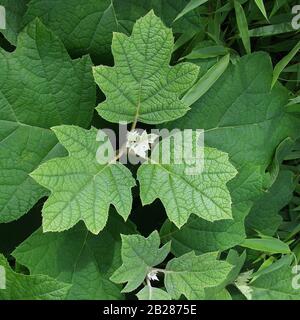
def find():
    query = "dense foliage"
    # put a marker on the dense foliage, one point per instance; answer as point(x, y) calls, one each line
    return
point(73, 227)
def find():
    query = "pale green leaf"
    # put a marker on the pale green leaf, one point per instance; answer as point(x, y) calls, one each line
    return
point(202, 192)
point(82, 188)
point(152, 293)
point(219, 292)
point(190, 275)
point(142, 86)
point(139, 255)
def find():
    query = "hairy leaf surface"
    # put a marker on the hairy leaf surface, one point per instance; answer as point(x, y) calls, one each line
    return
point(139, 255)
point(142, 86)
point(82, 189)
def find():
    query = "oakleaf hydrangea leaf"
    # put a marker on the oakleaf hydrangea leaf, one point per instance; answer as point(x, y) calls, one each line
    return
point(139, 255)
point(30, 287)
point(40, 87)
point(82, 188)
point(84, 26)
point(244, 118)
point(202, 193)
point(142, 86)
point(152, 293)
point(85, 260)
point(190, 275)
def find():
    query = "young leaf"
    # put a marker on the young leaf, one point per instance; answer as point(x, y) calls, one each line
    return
point(237, 261)
point(41, 87)
point(142, 86)
point(190, 275)
point(152, 293)
point(85, 260)
point(202, 193)
point(139, 255)
point(28, 287)
point(82, 188)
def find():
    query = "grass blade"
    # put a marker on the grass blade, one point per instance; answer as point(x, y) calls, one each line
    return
point(284, 62)
point(193, 4)
point(261, 7)
point(242, 26)
point(205, 82)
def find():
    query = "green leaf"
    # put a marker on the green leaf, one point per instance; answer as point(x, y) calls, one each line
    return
point(183, 192)
point(41, 87)
point(142, 86)
point(28, 287)
point(85, 260)
point(219, 292)
point(190, 275)
point(242, 25)
point(275, 282)
point(204, 236)
point(151, 293)
point(139, 255)
point(193, 4)
point(84, 26)
point(229, 125)
point(271, 30)
point(269, 245)
point(14, 11)
point(207, 50)
point(284, 62)
point(130, 10)
point(206, 81)
point(82, 188)
point(264, 216)
point(261, 6)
